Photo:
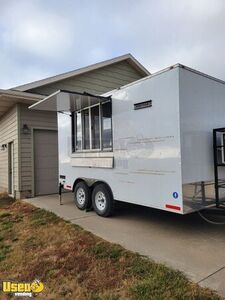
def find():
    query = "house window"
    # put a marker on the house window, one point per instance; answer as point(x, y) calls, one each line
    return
point(93, 128)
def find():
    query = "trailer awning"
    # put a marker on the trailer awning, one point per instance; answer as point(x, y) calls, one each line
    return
point(68, 101)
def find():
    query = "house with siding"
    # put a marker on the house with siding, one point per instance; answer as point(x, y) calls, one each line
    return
point(28, 139)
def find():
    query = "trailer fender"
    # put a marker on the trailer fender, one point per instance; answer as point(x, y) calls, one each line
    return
point(88, 181)
point(78, 180)
point(91, 183)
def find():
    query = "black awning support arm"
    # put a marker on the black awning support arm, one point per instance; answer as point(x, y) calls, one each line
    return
point(87, 94)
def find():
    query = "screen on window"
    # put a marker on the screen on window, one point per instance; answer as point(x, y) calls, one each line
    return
point(78, 131)
point(95, 127)
point(86, 129)
point(106, 125)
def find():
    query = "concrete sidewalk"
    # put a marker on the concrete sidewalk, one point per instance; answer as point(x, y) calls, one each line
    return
point(186, 243)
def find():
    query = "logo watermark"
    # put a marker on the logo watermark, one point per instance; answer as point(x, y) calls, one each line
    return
point(23, 289)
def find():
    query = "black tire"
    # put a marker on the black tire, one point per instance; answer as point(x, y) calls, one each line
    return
point(82, 195)
point(102, 200)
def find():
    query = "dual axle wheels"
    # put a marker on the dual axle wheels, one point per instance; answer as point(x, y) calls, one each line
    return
point(100, 198)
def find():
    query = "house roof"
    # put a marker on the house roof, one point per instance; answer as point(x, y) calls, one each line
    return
point(8, 98)
point(127, 57)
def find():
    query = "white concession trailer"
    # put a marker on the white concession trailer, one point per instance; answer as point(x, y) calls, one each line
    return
point(149, 142)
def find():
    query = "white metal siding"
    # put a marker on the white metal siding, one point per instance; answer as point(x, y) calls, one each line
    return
point(202, 108)
point(146, 145)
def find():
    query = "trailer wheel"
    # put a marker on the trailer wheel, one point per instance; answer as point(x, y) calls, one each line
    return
point(82, 195)
point(102, 200)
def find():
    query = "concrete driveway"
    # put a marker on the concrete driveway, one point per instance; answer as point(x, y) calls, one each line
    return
point(186, 243)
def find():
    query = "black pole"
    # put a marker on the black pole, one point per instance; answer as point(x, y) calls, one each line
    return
point(60, 193)
point(203, 192)
point(215, 167)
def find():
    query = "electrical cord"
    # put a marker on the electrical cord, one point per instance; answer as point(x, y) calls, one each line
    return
point(210, 221)
point(201, 215)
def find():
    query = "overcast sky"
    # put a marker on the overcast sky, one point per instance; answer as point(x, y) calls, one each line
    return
point(40, 38)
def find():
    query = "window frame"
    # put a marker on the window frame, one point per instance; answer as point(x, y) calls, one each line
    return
point(111, 148)
point(83, 140)
point(74, 130)
point(100, 127)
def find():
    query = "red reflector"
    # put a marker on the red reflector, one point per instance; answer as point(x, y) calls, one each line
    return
point(173, 207)
point(68, 186)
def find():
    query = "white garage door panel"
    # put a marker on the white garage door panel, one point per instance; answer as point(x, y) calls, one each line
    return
point(45, 162)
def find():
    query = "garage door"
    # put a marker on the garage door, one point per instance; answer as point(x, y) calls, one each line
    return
point(45, 162)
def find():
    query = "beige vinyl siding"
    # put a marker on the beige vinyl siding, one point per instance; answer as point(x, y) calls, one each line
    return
point(98, 81)
point(38, 120)
point(9, 133)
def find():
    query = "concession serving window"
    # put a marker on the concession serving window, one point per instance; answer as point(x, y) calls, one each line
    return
point(92, 128)
point(91, 118)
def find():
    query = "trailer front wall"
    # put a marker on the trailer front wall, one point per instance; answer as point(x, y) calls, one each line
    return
point(146, 145)
point(202, 108)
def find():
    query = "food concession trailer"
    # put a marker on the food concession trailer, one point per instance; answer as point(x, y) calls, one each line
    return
point(149, 142)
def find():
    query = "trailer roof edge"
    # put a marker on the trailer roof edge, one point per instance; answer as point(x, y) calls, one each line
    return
point(201, 73)
point(177, 65)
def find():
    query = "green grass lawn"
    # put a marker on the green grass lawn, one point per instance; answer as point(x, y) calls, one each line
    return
point(75, 264)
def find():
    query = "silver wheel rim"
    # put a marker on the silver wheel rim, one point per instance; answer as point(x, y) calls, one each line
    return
point(80, 196)
point(100, 201)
